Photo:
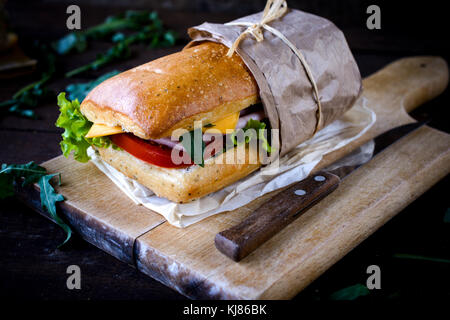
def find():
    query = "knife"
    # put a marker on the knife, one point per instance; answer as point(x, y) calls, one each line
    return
point(273, 215)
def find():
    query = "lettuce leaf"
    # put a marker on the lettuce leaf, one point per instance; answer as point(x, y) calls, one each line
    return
point(76, 126)
point(259, 127)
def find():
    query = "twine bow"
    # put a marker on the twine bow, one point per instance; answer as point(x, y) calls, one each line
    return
point(273, 10)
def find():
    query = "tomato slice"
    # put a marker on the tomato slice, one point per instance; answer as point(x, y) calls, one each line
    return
point(147, 151)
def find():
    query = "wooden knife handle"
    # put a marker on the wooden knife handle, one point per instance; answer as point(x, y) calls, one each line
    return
point(272, 216)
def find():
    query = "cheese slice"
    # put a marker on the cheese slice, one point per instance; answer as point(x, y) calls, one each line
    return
point(101, 130)
point(229, 122)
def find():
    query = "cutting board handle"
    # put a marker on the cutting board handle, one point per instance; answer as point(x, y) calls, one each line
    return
point(408, 82)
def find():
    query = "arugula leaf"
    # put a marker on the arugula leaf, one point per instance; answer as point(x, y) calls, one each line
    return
point(80, 90)
point(78, 41)
point(258, 127)
point(48, 200)
point(33, 173)
point(30, 171)
point(169, 38)
point(194, 145)
point(150, 29)
point(350, 293)
point(72, 41)
point(76, 126)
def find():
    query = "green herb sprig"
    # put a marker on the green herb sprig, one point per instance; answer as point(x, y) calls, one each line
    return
point(154, 32)
point(30, 173)
point(78, 41)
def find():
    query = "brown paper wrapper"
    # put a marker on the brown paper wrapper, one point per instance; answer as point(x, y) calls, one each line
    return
point(285, 89)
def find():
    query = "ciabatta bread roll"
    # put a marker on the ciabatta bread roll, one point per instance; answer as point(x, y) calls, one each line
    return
point(172, 92)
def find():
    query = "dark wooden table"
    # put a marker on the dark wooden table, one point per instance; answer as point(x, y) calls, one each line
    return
point(31, 267)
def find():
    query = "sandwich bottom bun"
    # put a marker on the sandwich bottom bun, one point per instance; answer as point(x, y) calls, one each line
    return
point(186, 184)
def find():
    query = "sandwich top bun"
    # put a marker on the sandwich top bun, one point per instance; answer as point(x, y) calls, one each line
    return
point(152, 100)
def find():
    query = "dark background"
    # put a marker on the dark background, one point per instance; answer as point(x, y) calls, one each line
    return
point(31, 267)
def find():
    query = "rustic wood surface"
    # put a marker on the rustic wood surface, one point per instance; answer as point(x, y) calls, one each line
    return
point(31, 267)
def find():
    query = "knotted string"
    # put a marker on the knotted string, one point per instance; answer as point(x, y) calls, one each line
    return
point(273, 10)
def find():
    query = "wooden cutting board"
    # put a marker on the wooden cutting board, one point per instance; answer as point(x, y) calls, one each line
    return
point(186, 259)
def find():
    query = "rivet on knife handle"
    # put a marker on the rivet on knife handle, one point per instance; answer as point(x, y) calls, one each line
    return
point(275, 214)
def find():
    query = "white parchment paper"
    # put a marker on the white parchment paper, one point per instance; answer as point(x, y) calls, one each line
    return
point(292, 167)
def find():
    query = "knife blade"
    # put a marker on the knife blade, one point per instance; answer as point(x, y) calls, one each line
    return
point(276, 213)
